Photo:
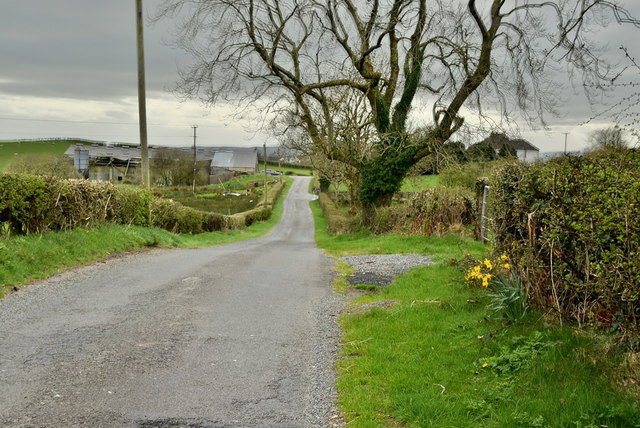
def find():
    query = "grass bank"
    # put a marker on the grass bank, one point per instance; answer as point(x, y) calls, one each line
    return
point(426, 352)
point(12, 149)
point(27, 258)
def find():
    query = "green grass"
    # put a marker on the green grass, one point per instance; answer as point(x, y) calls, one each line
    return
point(419, 182)
point(210, 198)
point(451, 246)
point(287, 169)
point(27, 258)
point(409, 184)
point(11, 149)
point(238, 183)
point(436, 357)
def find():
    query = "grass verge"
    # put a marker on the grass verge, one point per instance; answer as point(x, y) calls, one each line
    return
point(426, 352)
point(27, 258)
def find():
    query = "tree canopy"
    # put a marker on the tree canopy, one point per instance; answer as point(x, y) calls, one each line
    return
point(298, 60)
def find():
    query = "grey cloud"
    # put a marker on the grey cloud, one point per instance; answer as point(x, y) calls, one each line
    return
point(79, 49)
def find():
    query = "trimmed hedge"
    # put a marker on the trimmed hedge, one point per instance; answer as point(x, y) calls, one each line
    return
point(175, 217)
point(31, 204)
point(572, 227)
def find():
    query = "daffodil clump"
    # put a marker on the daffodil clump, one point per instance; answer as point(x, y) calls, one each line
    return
point(483, 272)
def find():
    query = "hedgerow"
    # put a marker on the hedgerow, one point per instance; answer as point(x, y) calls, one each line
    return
point(572, 228)
point(31, 204)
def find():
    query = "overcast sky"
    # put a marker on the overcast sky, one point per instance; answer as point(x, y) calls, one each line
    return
point(68, 69)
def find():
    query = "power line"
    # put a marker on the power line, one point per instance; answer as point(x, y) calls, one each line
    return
point(97, 122)
point(24, 119)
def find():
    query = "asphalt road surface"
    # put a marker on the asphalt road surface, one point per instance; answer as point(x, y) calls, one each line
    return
point(240, 335)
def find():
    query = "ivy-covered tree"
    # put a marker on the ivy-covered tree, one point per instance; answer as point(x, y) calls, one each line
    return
point(292, 55)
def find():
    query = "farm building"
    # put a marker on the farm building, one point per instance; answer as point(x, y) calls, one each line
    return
point(237, 160)
point(106, 163)
point(122, 163)
point(523, 149)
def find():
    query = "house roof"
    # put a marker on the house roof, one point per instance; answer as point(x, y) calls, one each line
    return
point(523, 145)
point(498, 140)
point(100, 151)
point(235, 159)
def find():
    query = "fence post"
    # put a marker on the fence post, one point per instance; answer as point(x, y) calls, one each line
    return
point(483, 216)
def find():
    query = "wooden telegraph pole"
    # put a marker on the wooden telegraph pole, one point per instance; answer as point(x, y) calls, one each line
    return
point(142, 103)
point(194, 158)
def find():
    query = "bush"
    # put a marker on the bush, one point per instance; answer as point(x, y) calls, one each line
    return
point(436, 211)
point(175, 217)
point(25, 202)
point(572, 225)
point(44, 165)
point(337, 221)
point(30, 204)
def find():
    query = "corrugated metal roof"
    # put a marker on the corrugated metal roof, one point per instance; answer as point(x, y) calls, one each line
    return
point(235, 159)
point(245, 159)
point(226, 157)
point(222, 160)
point(120, 153)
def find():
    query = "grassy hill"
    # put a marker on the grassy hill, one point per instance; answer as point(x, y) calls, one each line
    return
point(12, 149)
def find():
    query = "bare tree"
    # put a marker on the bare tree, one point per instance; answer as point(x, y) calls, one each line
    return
point(446, 54)
point(347, 143)
point(610, 138)
point(174, 167)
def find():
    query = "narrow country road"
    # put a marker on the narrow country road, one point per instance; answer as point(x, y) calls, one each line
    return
point(240, 335)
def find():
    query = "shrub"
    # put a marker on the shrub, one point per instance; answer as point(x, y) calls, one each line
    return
point(44, 165)
point(572, 226)
point(25, 201)
point(130, 206)
point(436, 211)
point(213, 222)
point(174, 217)
point(337, 221)
point(31, 204)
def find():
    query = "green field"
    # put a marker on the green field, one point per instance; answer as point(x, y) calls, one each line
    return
point(288, 170)
point(246, 191)
point(417, 183)
point(12, 149)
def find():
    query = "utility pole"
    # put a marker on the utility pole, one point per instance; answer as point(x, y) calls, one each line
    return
point(565, 142)
point(264, 154)
point(142, 103)
point(194, 158)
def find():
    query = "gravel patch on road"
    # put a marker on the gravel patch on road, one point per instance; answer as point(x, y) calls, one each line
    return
point(381, 269)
